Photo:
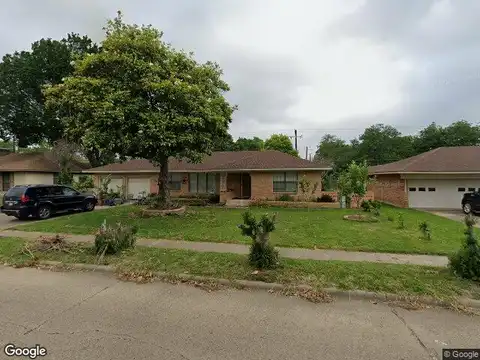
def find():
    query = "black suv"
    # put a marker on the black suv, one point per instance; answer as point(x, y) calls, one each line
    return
point(471, 202)
point(41, 201)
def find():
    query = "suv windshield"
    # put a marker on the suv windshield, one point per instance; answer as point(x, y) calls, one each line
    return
point(16, 191)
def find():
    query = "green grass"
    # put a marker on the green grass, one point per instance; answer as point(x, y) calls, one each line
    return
point(320, 228)
point(399, 279)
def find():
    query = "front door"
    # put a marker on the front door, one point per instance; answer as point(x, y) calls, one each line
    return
point(246, 185)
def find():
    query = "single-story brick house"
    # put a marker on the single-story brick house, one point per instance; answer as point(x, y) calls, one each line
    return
point(232, 175)
point(32, 168)
point(436, 179)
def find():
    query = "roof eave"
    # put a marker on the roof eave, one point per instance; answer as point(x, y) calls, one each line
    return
point(424, 172)
point(203, 170)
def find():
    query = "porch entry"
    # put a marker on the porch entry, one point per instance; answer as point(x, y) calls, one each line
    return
point(240, 184)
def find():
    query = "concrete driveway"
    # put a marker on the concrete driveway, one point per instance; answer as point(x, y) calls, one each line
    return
point(94, 316)
point(456, 215)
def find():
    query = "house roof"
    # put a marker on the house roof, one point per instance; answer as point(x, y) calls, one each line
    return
point(458, 159)
point(43, 161)
point(220, 161)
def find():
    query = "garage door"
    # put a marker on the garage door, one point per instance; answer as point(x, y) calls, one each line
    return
point(137, 186)
point(439, 194)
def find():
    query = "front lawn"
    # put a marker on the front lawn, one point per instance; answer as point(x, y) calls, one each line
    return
point(320, 228)
point(381, 278)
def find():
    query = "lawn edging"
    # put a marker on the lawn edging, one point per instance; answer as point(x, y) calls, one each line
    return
point(261, 285)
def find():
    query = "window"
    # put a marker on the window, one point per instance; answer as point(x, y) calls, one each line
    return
point(431, 189)
point(6, 180)
point(68, 191)
point(56, 191)
point(202, 183)
point(471, 189)
point(412, 189)
point(421, 189)
point(285, 182)
point(175, 181)
point(461, 189)
point(41, 192)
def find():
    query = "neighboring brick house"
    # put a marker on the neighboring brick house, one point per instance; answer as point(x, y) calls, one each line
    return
point(34, 167)
point(231, 174)
point(436, 179)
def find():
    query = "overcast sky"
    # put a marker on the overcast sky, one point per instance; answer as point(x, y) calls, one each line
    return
point(319, 66)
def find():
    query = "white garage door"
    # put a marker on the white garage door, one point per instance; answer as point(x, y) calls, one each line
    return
point(439, 194)
point(137, 186)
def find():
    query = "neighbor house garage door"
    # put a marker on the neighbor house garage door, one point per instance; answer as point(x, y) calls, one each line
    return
point(439, 194)
point(137, 186)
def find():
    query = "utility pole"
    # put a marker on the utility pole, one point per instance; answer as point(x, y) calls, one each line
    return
point(295, 137)
point(306, 152)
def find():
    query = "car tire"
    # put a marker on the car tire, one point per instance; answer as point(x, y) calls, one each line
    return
point(89, 206)
point(44, 212)
point(467, 208)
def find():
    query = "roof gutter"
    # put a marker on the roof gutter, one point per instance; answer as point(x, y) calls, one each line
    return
point(201, 171)
point(427, 173)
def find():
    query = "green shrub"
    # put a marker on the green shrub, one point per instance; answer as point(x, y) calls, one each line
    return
point(325, 198)
point(262, 254)
point(84, 183)
point(114, 239)
point(466, 262)
point(259, 203)
point(285, 197)
point(390, 218)
point(425, 229)
point(371, 206)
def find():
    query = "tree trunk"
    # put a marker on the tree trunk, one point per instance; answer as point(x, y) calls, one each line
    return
point(163, 186)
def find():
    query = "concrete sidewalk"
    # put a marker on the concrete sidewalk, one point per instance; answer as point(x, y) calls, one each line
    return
point(292, 253)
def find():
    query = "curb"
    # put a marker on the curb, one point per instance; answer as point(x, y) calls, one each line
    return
point(260, 285)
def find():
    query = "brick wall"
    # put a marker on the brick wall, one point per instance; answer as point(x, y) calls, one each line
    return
point(262, 184)
point(183, 189)
point(390, 189)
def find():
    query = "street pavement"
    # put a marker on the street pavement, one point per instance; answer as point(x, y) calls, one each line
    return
point(94, 316)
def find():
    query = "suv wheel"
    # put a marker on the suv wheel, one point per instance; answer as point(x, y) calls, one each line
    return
point(89, 206)
point(44, 212)
point(467, 208)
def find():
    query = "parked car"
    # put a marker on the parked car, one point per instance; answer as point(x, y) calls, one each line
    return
point(471, 202)
point(42, 201)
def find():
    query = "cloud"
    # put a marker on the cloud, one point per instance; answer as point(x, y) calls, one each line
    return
point(315, 65)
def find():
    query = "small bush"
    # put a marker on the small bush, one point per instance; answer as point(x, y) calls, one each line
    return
point(262, 254)
point(371, 206)
point(111, 240)
point(425, 229)
point(259, 203)
point(390, 218)
point(401, 221)
point(466, 262)
point(325, 198)
point(285, 197)
point(214, 198)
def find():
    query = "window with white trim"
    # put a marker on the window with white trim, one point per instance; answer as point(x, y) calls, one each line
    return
point(175, 181)
point(202, 183)
point(285, 182)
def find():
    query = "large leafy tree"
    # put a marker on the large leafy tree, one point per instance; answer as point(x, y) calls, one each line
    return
point(381, 144)
point(23, 117)
point(139, 97)
point(245, 144)
point(281, 143)
point(337, 151)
